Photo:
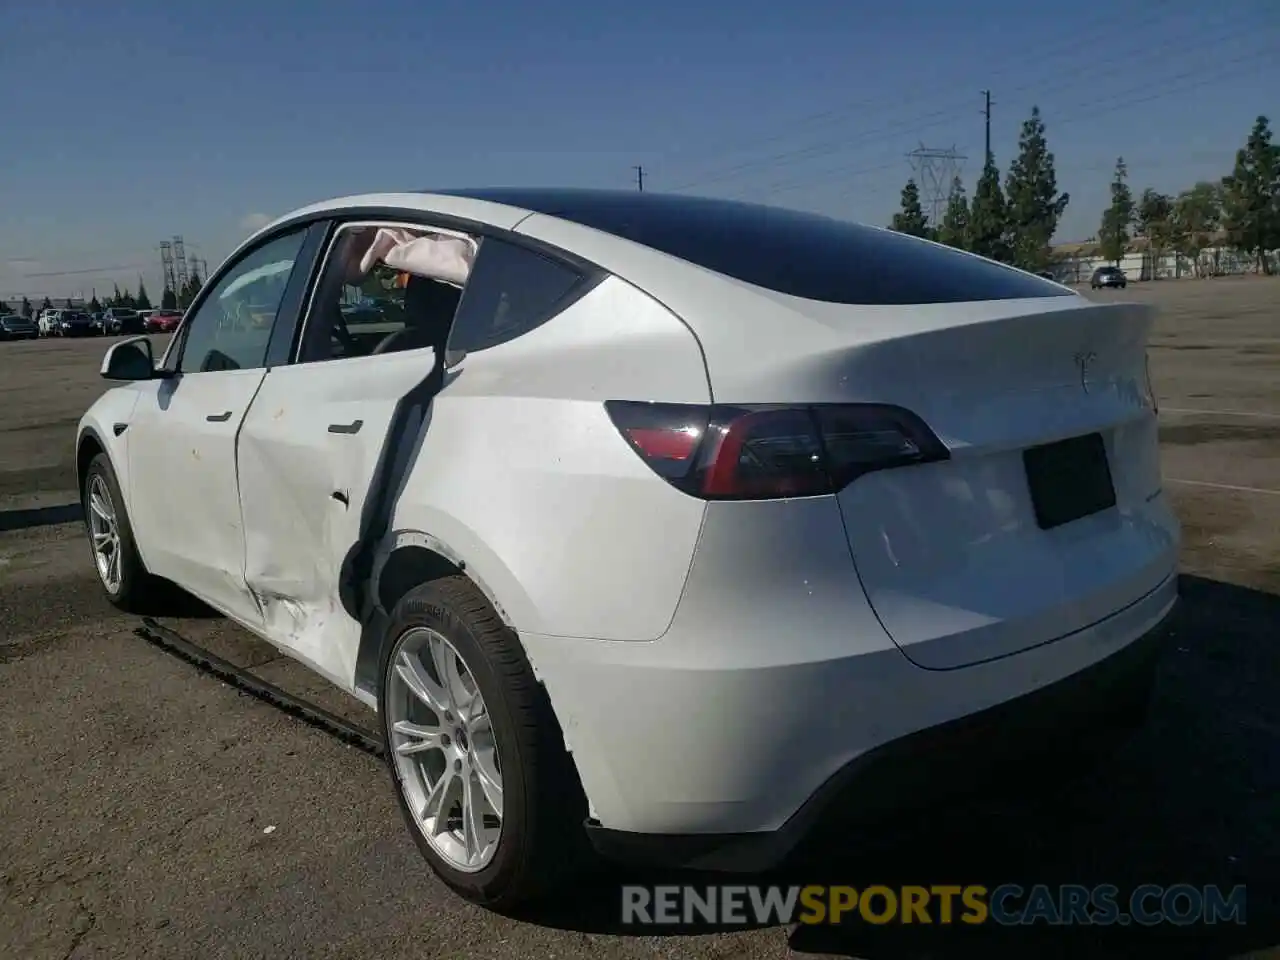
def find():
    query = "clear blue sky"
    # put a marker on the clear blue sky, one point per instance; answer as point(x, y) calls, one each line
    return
point(126, 122)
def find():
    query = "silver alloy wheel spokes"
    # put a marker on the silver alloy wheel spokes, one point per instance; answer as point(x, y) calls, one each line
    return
point(104, 533)
point(445, 754)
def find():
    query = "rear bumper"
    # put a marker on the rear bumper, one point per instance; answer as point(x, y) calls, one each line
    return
point(1105, 700)
point(776, 691)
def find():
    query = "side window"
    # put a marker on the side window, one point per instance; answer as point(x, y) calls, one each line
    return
point(385, 289)
point(231, 329)
point(511, 291)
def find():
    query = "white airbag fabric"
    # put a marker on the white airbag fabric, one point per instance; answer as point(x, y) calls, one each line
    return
point(436, 256)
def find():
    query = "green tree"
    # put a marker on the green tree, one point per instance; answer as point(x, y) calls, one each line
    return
point(1251, 202)
point(988, 218)
point(1197, 215)
point(117, 298)
point(169, 300)
point(69, 304)
point(26, 308)
point(1034, 205)
point(1113, 235)
point(95, 306)
point(910, 219)
point(47, 305)
point(954, 230)
point(143, 301)
point(1155, 222)
point(4, 309)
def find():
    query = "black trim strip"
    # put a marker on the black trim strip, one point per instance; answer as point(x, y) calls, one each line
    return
point(204, 661)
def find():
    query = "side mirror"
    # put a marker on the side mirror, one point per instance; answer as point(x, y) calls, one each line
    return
point(129, 360)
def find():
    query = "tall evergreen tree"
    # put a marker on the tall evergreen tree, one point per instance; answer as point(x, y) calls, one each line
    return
point(911, 219)
point(1113, 235)
point(168, 300)
point(26, 308)
point(954, 230)
point(143, 301)
point(1251, 205)
point(1034, 205)
point(1155, 221)
point(47, 305)
point(988, 218)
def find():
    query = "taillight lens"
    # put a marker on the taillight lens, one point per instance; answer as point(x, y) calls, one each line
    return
point(770, 452)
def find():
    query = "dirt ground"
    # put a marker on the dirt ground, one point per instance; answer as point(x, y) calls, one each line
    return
point(137, 793)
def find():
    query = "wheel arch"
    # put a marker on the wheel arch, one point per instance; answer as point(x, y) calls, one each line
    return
point(407, 559)
point(88, 445)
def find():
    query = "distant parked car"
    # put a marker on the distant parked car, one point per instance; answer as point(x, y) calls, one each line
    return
point(14, 326)
point(163, 321)
point(97, 324)
point(75, 323)
point(122, 320)
point(47, 325)
point(1108, 277)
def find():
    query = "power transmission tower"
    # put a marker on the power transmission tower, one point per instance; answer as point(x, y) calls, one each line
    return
point(179, 266)
point(986, 112)
point(166, 265)
point(934, 170)
point(639, 178)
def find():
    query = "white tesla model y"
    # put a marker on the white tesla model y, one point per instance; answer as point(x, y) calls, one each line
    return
point(669, 523)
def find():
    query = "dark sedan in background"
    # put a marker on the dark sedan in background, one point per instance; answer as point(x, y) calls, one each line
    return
point(16, 327)
point(121, 320)
point(75, 324)
point(1108, 277)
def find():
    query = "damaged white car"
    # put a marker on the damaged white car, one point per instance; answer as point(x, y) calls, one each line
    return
point(667, 523)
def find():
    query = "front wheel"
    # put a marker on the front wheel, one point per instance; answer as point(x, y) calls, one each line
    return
point(115, 556)
point(477, 759)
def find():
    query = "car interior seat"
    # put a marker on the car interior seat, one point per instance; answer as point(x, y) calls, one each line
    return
point(429, 306)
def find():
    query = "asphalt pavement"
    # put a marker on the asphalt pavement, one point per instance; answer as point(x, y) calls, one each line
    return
point(149, 810)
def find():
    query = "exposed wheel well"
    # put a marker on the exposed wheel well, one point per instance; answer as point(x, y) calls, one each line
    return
point(408, 567)
point(88, 449)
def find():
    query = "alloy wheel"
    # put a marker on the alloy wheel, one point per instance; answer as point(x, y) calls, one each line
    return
point(104, 533)
point(444, 750)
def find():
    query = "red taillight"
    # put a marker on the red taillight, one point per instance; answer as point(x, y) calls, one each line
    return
point(770, 452)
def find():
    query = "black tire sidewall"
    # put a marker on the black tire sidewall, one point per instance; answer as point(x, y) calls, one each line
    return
point(424, 607)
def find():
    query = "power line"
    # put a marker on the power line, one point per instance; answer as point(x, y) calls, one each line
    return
point(938, 117)
point(1109, 103)
point(1117, 102)
point(1040, 56)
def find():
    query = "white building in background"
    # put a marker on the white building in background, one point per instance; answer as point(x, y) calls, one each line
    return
point(1077, 261)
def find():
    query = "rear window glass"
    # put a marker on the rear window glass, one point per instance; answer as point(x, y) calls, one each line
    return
point(800, 254)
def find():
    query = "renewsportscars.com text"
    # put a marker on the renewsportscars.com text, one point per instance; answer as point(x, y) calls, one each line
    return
point(1008, 905)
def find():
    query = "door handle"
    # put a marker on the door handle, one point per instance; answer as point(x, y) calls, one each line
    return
point(219, 417)
point(352, 427)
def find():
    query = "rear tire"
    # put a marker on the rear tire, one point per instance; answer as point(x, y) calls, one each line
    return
point(125, 579)
point(539, 840)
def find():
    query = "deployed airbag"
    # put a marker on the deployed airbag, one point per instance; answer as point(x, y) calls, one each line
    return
point(436, 256)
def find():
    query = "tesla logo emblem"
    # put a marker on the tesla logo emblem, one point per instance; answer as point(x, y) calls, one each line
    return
point(1084, 361)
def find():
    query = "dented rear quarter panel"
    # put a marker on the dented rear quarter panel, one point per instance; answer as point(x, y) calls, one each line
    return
point(522, 475)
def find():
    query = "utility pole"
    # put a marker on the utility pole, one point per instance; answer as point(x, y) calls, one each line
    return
point(986, 112)
point(639, 178)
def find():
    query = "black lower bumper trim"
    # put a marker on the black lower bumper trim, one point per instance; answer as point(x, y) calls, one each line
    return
point(1107, 698)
